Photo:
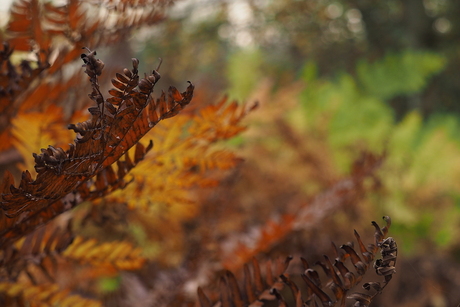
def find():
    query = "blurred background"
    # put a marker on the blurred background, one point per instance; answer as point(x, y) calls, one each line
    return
point(359, 91)
point(335, 79)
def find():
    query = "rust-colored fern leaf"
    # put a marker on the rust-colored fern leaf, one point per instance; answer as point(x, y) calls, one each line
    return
point(33, 25)
point(35, 249)
point(56, 33)
point(116, 124)
point(257, 287)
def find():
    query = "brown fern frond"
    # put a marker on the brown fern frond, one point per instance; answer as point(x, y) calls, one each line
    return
point(16, 227)
point(330, 291)
point(183, 159)
point(104, 183)
point(109, 179)
point(34, 256)
point(256, 288)
point(270, 234)
point(113, 128)
point(44, 295)
point(342, 279)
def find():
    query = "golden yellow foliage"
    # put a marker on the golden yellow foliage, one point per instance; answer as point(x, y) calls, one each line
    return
point(119, 255)
point(46, 295)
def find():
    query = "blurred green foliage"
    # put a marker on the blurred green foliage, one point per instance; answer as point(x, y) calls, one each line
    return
point(243, 73)
point(421, 174)
point(396, 74)
point(109, 284)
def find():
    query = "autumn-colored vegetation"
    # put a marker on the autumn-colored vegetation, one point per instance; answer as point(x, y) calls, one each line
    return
point(115, 193)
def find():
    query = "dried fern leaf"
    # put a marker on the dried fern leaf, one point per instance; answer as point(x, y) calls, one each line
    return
point(119, 255)
point(341, 279)
point(101, 141)
point(257, 288)
point(46, 295)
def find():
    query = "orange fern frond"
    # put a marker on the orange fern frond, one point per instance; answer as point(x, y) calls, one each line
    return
point(35, 25)
point(271, 233)
point(220, 121)
point(118, 255)
point(45, 295)
point(182, 159)
point(56, 34)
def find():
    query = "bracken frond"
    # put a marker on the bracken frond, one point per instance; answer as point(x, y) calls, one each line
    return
point(45, 295)
point(257, 287)
point(119, 255)
point(319, 292)
point(101, 141)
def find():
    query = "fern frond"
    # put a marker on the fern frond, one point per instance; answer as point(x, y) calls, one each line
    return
point(57, 33)
point(110, 179)
point(45, 295)
point(101, 141)
point(185, 155)
point(35, 25)
point(220, 121)
point(341, 279)
point(35, 254)
point(270, 234)
point(208, 160)
point(256, 288)
point(118, 255)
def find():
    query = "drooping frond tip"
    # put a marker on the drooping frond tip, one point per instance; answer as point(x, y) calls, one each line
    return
point(93, 66)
